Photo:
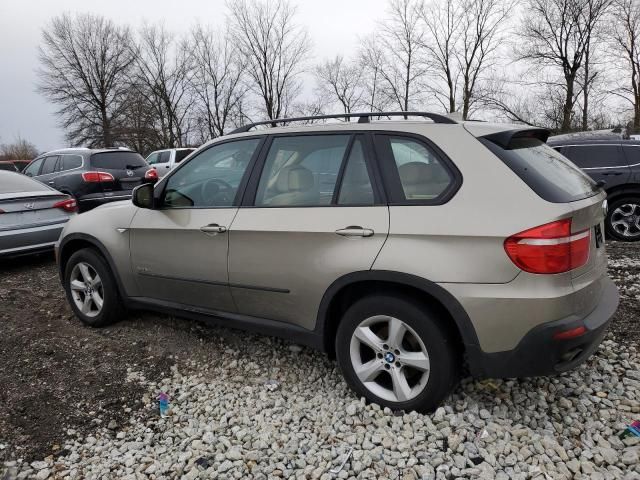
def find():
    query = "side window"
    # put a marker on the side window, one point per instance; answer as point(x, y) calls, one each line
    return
point(356, 186)
point(33, 168)
point(49, 165)
point(301, 170)
point(594, 156)
point(632, 154)
point(164, 157)
point(212, 178)
point(421, 173)
point(71, 161)
point(182, 154)
point(153, 158)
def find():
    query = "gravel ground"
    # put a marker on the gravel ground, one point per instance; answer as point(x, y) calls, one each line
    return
point(81, 403)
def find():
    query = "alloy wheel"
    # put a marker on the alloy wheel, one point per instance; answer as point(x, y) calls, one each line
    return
point(625, 220)
point(86, 289)
point(389, 358)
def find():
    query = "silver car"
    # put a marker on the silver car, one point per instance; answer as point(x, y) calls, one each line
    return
point(32, 215)
point(411, 250)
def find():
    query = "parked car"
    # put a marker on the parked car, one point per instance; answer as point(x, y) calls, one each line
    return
point(387, 244)
point(92, 177)
point(616, 164)
point(165, 160)
point(31, 214)
point(20, 164)
point(8, 165)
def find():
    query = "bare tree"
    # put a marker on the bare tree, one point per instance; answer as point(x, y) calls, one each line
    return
point(19, 149)
point(556, 34)
point(163, 70)
point(626, 43)
point(273, 48)
point(217, 80)
point(340, 80)
point(402, 41)
point(371, 62)
point(85, 66)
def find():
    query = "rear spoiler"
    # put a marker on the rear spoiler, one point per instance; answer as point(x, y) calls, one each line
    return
point(503, 139)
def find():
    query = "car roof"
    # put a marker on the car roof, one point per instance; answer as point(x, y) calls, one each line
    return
point(85, 150)
point(591, 141)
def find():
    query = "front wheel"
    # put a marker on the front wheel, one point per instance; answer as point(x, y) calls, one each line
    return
point(91, 289)
point(394, 352)
point(623, 219)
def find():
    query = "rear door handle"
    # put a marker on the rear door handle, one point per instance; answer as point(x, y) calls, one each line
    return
point(355, 231)
point(612, 173)
point(51, 182)
point(213, 228)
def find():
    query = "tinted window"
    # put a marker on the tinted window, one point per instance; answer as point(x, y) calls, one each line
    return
point(212, 178)
point(164, 157)
point(15, 182)
point(594, 156)
point(182, 154)
point(356, 186)
point(118, 160)
point(153, 158)
point(34, 167)
point(49, 165)
point(422, 174)
point(301, 170)
point(547, 172)
point(71, 161)
point(8, 166)
point(632, 154)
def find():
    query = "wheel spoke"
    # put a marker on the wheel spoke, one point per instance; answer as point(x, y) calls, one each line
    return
point(97, 300)
point(84, 271)
point(370, 339)
point(417, 360)
point(369, 371)
point(397, 329)
point(86, 304)
point(77, 285)
point(401, 388)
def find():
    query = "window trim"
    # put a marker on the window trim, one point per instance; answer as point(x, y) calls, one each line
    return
point(158, 191)
point(391, 175)
point(371, 162)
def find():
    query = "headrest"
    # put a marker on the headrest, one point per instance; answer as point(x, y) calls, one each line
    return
point(414, 173)
point(294, 179)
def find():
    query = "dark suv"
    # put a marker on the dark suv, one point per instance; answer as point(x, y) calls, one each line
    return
point(93, 177)
point(615, 163)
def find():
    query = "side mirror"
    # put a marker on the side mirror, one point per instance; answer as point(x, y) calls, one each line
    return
point(142, 196)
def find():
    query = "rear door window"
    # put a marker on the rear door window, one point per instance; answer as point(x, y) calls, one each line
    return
point(117, 160)
point(164, 157)
point(182, 154)
point(594, 156)
point(632, 154)
point(49, 165)
point(547, 172)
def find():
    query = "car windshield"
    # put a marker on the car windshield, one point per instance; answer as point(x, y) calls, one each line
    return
point(547, 172)
point(118, 160)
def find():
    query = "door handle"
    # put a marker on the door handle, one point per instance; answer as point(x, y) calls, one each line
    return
point(612, 173)
point(355, 231)
point(166, 166)
point(213, 228)
point(51, 182)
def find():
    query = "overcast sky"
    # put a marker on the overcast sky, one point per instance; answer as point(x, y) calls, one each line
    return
point(334, 26)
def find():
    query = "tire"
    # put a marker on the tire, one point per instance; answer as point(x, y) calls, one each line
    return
point(623, 219)
point(427, 389)
point(90, 312)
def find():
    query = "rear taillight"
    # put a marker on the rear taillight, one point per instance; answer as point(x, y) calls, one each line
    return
point(97, 177)
point(549, 248)
point(151, 174)
point(68, 205)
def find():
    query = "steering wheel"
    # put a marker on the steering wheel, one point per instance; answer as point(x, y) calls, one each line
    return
point(216, 192)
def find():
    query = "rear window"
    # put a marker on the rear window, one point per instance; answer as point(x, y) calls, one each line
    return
point(547, 172)
point(182, 154)
point(118, 160)
point(16, 182)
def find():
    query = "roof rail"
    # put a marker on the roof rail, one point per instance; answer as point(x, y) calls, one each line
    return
point(362, 118)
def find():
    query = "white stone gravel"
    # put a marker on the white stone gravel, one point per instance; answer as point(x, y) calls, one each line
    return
point(266, 410)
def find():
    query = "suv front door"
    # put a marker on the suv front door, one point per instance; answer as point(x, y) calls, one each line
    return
point(312, 214)
point(179, 250)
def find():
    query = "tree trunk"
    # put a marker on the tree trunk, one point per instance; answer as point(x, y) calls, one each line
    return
point(568, 106)
point(106, 128)
point(585, 91)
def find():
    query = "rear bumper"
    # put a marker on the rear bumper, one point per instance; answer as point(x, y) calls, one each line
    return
point(538, 353)
point(95, 199)
point(25, 241)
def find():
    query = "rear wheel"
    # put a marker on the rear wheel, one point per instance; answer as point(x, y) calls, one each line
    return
point(392, 351)
point(91, 289)
point(623, 219)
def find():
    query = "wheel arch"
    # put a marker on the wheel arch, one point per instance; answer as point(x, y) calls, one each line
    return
point(621, 190)
point(77, 241)
point(345, 290)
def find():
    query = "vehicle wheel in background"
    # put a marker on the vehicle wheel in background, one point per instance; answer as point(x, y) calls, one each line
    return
point(623, 219)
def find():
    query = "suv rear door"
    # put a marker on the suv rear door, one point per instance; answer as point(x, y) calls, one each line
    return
point(313, 206)
point(602, 162)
